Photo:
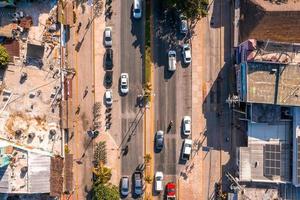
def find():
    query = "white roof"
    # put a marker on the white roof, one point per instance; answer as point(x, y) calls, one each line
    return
point(187, 146)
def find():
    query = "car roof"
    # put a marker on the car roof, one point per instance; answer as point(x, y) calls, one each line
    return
point(125, 182)
point(159, 174)
point(160, 132)
point(172, 52)
point(137, 4)
point(107, 32)
point(188, 141)
point(108, 93)
point(187, 117)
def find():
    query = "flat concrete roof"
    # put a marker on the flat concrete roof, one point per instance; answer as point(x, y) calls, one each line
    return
point(273, 83)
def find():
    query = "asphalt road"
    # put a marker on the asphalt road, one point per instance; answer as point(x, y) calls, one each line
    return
point(172, 91)
point(131, 51)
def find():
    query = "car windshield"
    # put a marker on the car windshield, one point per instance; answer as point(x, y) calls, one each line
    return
point(107, 39)
point(124, 86)
point(137, 10)
point(187, 121)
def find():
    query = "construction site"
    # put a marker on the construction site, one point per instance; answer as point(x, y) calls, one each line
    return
point(31, 140)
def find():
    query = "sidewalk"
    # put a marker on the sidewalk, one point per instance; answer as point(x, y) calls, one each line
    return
point(113, 153)
point(190, 184)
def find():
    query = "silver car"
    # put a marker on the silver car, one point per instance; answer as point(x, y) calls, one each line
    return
point(124, 83)
point(124, 185)
point(183, 25)
point(108, 97)
point(159, 140)
point(108, 36)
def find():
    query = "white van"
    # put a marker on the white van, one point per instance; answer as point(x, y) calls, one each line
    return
point(137, 9)
point(172, 60)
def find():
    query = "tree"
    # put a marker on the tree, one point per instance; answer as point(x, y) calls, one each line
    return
point(4, 57)
point(105, 192)
point(100, 152)
point(148, 179)
point(147, 158)
point(102, 173)
point(193, 9)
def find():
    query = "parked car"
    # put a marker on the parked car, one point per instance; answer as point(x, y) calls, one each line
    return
point(171, 191)
point(186, 149)
point(183, 25)
point(108, 36)
point(138, 183)
point(124, 83)
point(109, 59)
point(108, 78)
point(172, 60)
point(186, 52)
point(159, 140)
point(124, 187)
point(108, 97)
point(137, 9)
point(159, 176)
point(187, 125)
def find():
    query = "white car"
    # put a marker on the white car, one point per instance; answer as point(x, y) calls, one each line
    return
point(187, 125)
point(186, 52)
point(137, 9)
point(159, 176)
point(124, 83)
point(108, 97)
point(187, 149)
point(108, 37)
point(172, 60)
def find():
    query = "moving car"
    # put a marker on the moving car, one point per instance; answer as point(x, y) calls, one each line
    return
point(183, 25)
point(187, 149)
point(124, 83)
point(171, 191)
point(108, 97)
point(159, 140)
point(137, 9)
point(172, 60)
point(108, 36)
point(138, 183)
point(186, 52)
point(187, 125)
point(109, 59)
point(124, 185)
point(159, 176)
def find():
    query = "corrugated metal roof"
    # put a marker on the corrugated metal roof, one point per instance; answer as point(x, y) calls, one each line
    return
point(38, 173)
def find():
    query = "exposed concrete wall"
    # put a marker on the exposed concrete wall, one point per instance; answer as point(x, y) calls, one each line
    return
point(257, 23)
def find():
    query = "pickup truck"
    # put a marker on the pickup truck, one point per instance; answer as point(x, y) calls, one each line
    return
point(172, 60)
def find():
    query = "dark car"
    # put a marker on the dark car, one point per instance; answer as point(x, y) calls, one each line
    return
point(109, 59)
point(108, 78)
point(159, 140)
point(138, 183)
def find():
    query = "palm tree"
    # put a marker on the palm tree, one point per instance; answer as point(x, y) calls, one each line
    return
point(147, 158)
point(148, 179)
point(102, 173)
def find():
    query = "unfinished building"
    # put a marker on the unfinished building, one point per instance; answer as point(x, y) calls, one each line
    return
point(268, 86)
point(277, 20)
point(31, 136)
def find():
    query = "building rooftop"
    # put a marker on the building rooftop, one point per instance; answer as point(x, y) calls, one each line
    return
point(283, 5)
point(268, 155)
point(272, 83)
point(25, 172)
